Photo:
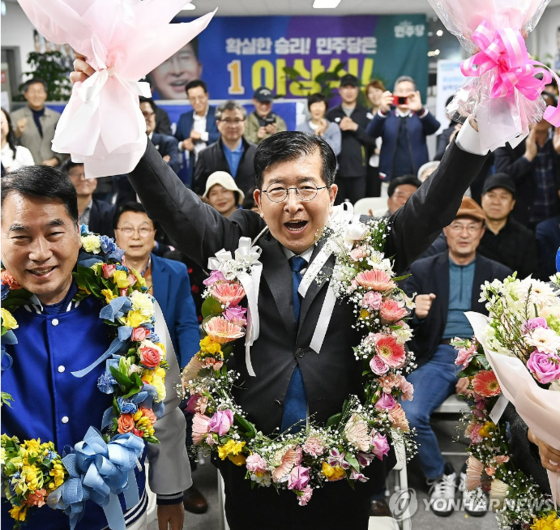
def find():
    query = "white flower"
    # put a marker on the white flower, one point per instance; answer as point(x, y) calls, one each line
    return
point(555, 386)
point(403, 334)
point(545, 340)
point(91, 244)
point(142, 302)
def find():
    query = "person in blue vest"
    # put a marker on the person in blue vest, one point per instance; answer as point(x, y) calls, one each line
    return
point(168, 281)
point(196, 129)
point(57, 336)
point(403, 124)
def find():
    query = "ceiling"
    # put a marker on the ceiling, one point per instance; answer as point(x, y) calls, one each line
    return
point(305, 7)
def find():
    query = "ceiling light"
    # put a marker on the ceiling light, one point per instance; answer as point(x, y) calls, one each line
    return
point(439, 32)
point(325, 4)
point(188, 7)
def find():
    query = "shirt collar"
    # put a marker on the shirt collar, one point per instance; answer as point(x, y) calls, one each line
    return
point(401, 114)
point(238, 149)
point(196, 117)
point(306, 254)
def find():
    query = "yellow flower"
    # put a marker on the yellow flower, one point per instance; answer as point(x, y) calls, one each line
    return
point(141, 280)
point(137, 415)
point(147, 375)
point(134, 318)
point(160, 372)
point(19, 513)
point(159, 383)
point(96, 267)
point(550, 522)
point(58, 473)
point(121, 279)
point(485, 431)
point(207, 345)
point(230, 448)
point(8, 321)
point(108, 294)
point(143, 303)
point(364, 314)
point(238, 460)
point(333, 473)
point(162, 346)
point(91, 244)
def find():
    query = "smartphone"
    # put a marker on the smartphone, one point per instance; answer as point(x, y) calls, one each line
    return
point(400, 100)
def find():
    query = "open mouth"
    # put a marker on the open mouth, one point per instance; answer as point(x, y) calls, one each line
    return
point(41, 273)
point(296, 226)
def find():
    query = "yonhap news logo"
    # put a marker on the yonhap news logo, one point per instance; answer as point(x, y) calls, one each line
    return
point(403, 504)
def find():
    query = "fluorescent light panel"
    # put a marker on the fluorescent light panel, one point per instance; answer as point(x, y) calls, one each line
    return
point(189, 7)
point(325, 4)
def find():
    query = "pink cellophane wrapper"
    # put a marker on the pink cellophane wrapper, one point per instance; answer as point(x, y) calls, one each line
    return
point(539, 408)
point(500, 119)
point(123, 40)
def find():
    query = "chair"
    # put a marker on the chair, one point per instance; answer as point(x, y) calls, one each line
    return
point(377, 205)
point(222, 502)
point(400, 475)
point(452, 405)
point(152, 500)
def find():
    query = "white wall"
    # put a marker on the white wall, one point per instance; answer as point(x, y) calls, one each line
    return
point(17, 31)
point(546, 35)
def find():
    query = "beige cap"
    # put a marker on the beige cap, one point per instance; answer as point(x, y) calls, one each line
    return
point(225, 180)
point(470, 208)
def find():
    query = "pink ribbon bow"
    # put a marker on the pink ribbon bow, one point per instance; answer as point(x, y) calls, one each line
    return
point(505, 51)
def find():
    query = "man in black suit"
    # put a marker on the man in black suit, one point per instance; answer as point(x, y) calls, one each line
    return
point(97, 214)
point(231, 153)
point(448, 284)
point(352, 119)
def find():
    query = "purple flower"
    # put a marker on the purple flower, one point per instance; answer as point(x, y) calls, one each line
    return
point(546, 367)
point(298, 478)
point(380, 446)
point(354, 475)
point(221, 422)
point(534, 323)
point(364, 459)
point(385, 402)
point(215, 276)
point(378, 366)
point(336, 458)
point(191, 404)
point(235, 315)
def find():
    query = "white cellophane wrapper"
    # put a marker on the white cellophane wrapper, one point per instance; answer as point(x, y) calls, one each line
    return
point(538, 407)
point(500, 119)
point(123, 40)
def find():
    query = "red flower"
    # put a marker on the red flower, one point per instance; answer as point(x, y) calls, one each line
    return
point(390, 351)
point(485, 384)
point(9, 280)
point(139, 334)
point(150, 357)
point(125, 423)
point(108, 270)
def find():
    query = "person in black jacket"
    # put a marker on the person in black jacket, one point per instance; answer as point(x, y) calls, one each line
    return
point(231, 153)
point(352, 119)
point(97, 214)
point(534, 165)
point(448, 285)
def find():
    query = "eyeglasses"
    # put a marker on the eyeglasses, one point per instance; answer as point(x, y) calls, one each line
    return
point(471, 229)
point(305, 192)
point(148, 114)
point(235, 121)
point(143, 231)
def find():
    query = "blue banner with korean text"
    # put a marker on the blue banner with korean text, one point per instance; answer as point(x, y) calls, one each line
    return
point(236, 55)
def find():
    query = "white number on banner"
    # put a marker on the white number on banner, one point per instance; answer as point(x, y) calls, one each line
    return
point(235, 81)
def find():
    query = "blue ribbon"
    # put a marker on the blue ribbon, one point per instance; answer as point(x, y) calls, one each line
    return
point(143, 398)
point(558, 260)
point(100, 472)
point(6, 360)
point(115, 347)
point(116, 308)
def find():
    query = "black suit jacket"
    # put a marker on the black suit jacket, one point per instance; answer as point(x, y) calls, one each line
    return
point(431, 275)
point(101, 218)
point(167, 146)
point(213, 159)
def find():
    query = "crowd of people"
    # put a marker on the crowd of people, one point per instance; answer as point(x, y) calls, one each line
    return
point(508, 219)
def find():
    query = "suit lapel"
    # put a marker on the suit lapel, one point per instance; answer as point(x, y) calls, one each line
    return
point(277, 274)
point(442, 287)
point(160, 281)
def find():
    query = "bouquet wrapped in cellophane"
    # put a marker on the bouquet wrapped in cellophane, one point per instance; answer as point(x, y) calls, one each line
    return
point(504, 85)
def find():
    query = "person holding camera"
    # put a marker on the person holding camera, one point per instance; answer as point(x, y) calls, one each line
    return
point(403, 124)
point(262, 122)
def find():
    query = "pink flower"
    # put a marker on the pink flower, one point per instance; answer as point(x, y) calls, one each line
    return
point(210, 440)
point(388, 382)
point(222, 331)
point(391, 311)
point(473, 432)
point(356, 431)
point(108, 270)
point(200, 428)
point(227, 293)
point(37, 498)
point(358, 253)
point(534, 323)
point(235, 315)
point(132, 279)
point(397, 417)
point(372, 300)
point(192, 403)
point(375, 280)
point(299, 478)
point(215, 276)
point(256, 463)
point(390, 351)
point(501, 459)
point(210, 362)
point(292, 457)
point(305, 496)
point(221, 422)
point(139, 334)
point(150, 357)
point(365, 459)
point(313, 447)
point(378, 366)
point(407, 390)
point(385, 402)
point(485, 384)
point(355, 475)
point(464, 356)
point(474, 473)
point(380, 446)
point(545, 367)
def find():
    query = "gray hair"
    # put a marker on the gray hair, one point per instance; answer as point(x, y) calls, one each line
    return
point(426, 167)
point(403, 79)
point(230, 105)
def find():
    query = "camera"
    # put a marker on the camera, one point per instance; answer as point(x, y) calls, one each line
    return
point(400, 100)
point(269, 120)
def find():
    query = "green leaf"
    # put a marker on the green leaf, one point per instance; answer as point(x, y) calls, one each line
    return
point(211, 306)
point(6, 398)
point(334, 420)
point(352, 460)
point(248, 427)
point(121, 378)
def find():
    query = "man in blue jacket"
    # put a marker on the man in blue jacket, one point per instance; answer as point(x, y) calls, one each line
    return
point(196, 129)
point(403, 124)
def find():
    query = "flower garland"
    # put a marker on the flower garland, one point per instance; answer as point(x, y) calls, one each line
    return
point(517, 499)
point(351, 439)
point(135, 375)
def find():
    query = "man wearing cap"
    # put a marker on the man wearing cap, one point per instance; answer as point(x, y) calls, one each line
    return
point(352, 119)
point(222, 193)
point(448, 285)
point(403, 123)
point(505, 240)
point(232, 153)
point(262, 122)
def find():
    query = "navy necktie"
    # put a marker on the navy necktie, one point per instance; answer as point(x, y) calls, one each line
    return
point(295, 405)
